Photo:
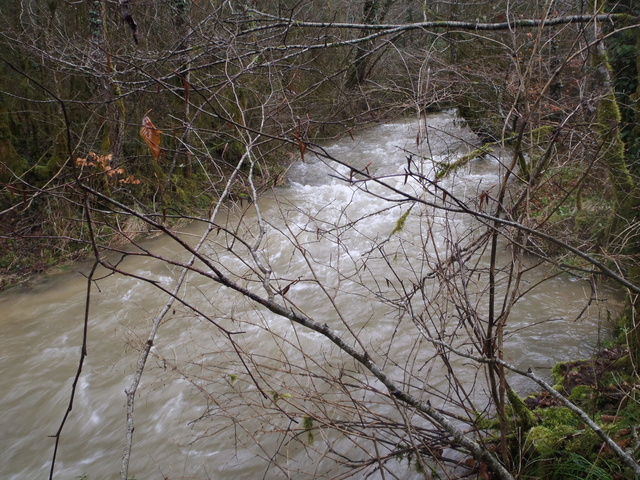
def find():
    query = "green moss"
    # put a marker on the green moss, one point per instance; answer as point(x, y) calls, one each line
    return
point(446, 168)
point(277, 396)
point(581, 394)
point(485, 423)
point(584, 442)
point(621, 371)
point(546, 441)
point(526, 418)
point(613, 152)
point(401, 221)
point(558, 372)
point(541, 134)
point(558, 417)
point(558, 425)
point(307, 424)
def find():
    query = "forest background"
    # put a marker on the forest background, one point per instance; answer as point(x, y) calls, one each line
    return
point(123, 118)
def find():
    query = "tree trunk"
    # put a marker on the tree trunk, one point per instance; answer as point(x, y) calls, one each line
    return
point(11, 164)
point(182, 154)
point(113, 138)
point(373, 12)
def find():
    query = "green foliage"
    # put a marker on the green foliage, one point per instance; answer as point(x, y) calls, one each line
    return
point(630, 414)
point(562, 446)
point(486, 423)
point(574, 467)
point(613, 153)
point(584, 442)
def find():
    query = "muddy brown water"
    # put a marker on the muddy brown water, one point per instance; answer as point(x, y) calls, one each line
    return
point(41, 326)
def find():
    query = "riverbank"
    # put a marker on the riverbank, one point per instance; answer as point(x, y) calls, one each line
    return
point(26, 257)
point(52, 233)
point(558, 445)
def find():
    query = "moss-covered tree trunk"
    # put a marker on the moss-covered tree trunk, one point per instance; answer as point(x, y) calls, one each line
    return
point(624, 217)
point(633, 211)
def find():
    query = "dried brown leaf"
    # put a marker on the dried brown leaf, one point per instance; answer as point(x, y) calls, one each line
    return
point(302, 147)
point(151, 136)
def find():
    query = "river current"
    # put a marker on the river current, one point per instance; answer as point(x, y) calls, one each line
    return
point(339, 252)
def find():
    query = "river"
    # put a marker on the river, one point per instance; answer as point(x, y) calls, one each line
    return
point(224, 407)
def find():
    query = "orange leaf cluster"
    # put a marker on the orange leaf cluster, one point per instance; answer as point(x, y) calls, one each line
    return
point(131, 180)
point(99, 162)
point(102, 163)
point(151, 136)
